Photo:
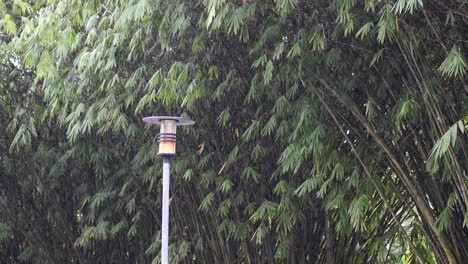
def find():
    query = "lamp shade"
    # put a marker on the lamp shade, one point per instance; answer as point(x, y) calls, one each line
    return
point(167, 137)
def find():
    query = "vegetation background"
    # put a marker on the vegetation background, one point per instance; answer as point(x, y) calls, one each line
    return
point(327, 131)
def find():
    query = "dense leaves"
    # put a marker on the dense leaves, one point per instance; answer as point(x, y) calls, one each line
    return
point(327, 131)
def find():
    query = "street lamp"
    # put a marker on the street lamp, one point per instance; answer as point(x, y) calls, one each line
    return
point(167, 147)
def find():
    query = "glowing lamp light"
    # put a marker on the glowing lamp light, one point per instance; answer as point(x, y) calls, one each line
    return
point(167, 137)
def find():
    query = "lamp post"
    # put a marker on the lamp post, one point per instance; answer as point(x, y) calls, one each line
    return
point(167, 145)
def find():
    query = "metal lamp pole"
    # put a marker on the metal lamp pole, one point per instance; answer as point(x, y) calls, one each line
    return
point(165, 212)
point(167, 144)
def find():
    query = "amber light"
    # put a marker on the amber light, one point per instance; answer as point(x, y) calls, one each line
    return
point(167, 137)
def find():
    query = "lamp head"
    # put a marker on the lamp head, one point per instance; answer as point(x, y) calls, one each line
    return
point(167, 136)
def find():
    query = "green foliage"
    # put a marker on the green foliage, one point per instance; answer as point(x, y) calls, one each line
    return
point(405, 112)
point(317, 125)
point(207, 201)
point(223, 118)
point(403, 6)
point(443, 144)
point(364, 30)
point(6, 233)
point(357, 212)
point(454, 64)
point(445, 219)
point(7, 25)
point(309, 185)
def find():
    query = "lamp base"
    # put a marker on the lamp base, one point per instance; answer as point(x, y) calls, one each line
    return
point(165, 154)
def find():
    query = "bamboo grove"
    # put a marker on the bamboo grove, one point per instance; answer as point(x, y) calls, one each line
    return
point(327, 131)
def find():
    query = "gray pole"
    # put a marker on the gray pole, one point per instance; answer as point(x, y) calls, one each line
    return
point(165, 212)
